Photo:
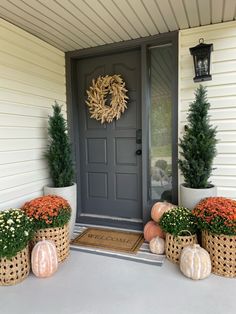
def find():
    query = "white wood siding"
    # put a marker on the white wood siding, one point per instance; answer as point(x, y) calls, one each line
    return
point(221, 94)
point(32, 77)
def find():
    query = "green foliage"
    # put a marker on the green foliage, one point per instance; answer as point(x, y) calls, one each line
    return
point(48, 211)
point(217, 215)
point(162, 164)
point(217, 226)
point(179, 221)
point(198, 145)
point(59, 153)
point(16, 230)
point(55, 222)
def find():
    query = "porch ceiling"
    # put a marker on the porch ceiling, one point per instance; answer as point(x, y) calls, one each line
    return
point(76, 24)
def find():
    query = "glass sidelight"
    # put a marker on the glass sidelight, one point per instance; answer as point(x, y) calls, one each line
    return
point(161, 103)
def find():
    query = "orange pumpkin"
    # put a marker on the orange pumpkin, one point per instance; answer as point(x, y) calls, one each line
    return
point(152, 230)
point(44, 259)
point(159, 208)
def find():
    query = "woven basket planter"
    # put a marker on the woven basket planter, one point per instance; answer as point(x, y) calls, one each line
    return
point(59, 235)
point(16, 269)
point(175, 244)
point(222, 250)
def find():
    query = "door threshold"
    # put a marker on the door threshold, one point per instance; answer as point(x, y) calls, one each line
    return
point(108, 221)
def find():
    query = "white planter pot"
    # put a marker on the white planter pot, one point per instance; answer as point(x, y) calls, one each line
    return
point(189, 197)
point(69, 193)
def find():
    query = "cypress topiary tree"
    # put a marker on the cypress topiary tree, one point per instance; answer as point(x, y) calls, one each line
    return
point(59, 153)
point(198, 145)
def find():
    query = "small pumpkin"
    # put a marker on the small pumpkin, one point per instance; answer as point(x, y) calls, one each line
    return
point(159, 208)
point(157, 245)
point(44, 260)
point(195, 262)
point(152, 230)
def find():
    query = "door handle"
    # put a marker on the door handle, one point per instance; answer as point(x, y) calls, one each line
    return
point(138, 152)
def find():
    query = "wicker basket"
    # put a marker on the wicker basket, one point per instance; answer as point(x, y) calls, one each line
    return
point(222, 250)
point(175, 244)
point(59, 235)
point(16, 269)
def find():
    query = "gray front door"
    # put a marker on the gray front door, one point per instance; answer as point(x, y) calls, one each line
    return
point(110, 168)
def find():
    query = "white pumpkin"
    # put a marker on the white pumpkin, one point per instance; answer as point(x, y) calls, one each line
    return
point(44, 260)
point(195, 262)
point(157, 245)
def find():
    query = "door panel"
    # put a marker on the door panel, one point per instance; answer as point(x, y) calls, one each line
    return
point(110, 169)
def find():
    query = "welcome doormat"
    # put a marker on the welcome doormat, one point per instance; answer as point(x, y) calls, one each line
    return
point(118, 241)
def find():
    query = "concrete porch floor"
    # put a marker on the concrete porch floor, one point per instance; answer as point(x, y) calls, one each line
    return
point(93, 284)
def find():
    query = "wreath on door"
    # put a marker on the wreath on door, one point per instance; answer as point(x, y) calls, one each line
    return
point(103, 89)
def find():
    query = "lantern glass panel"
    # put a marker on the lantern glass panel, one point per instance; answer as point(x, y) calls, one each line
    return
point(201, 56)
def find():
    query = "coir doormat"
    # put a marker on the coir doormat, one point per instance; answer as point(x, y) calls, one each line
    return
point(119, 241)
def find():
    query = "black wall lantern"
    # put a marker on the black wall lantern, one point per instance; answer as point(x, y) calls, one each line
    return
point(201, 58)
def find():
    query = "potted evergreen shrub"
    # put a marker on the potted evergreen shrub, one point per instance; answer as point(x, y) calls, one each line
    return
point(198, 149)
point(59, 157)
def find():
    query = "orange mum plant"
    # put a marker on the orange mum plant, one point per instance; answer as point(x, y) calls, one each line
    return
point(48, 211)
point(217, 215)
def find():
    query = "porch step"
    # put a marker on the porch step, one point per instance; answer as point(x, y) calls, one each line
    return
point(143, 256)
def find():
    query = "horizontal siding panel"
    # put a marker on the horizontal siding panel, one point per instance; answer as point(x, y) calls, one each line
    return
point(225, 159)
point(227, 170)
point(226, 148)
point(226, 43)
point(24, 189)
point(222, 125)
point(221, 92)
point(32, 77)
point(21, 34)
point(218, 68)
point(25, 77)
point(19, 202)
point(21, 179)
point(17, 63)
point(224, 181)
point(218, 79)
point(24, 110)
point(21, 97)
point(228, 55)
point(19, 86)
point(213, 91)
point(220, 114)
point(7, 36)
point(18, 156)
point(19, 167)
point(226, 136)
point(216, 103)
point(22, 132)
point(30, 57)
point(24, 121)
point(226, 192)
point(208, 32)
point(22, 144)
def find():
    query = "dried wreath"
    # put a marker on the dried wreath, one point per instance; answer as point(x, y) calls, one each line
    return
point(98, 95)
